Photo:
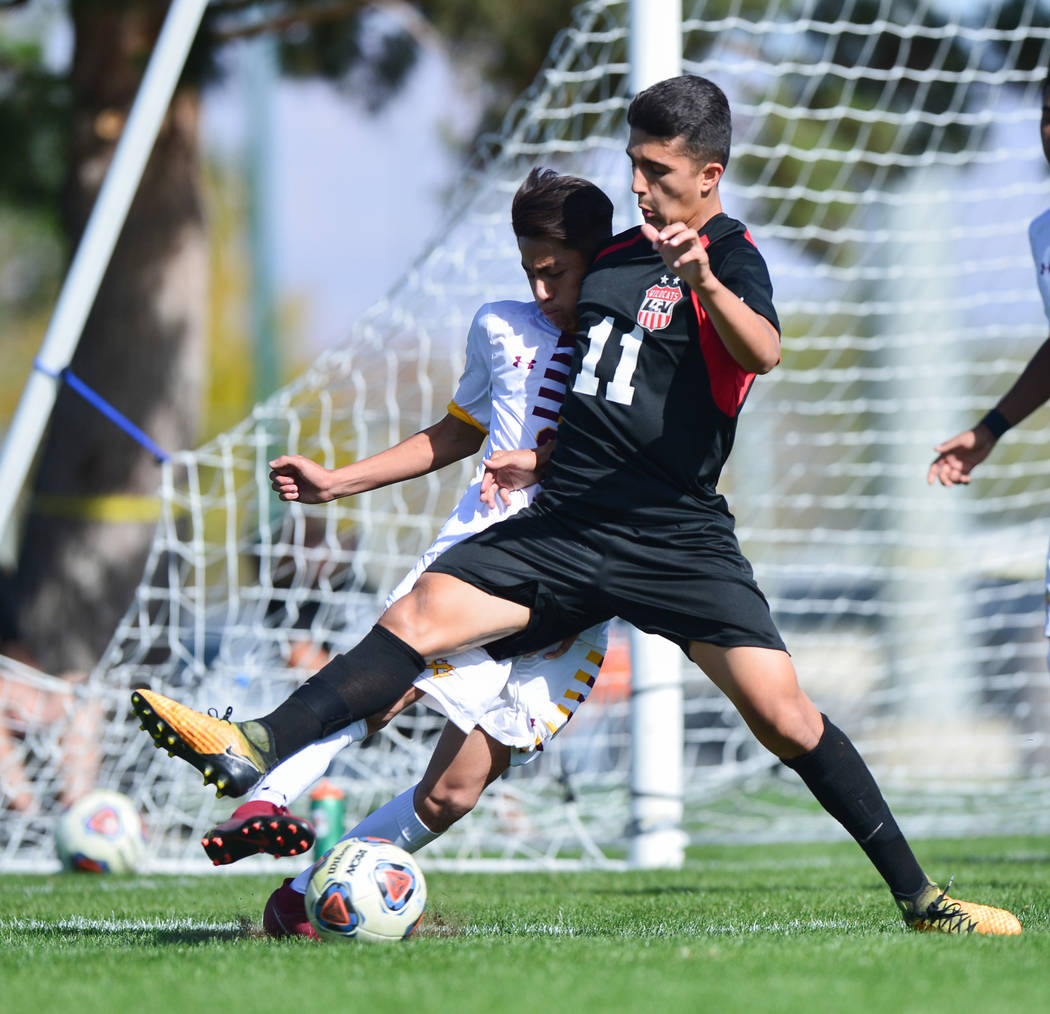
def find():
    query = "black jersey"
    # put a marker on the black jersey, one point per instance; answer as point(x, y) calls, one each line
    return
point(651, 413)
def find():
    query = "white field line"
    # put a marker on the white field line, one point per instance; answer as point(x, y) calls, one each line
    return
point(118, 925)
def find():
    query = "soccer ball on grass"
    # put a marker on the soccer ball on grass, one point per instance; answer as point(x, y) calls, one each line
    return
point(101, 832)
point(366, 889)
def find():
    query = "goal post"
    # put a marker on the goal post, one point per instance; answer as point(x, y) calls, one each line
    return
point(914, 615)
point(655, 831)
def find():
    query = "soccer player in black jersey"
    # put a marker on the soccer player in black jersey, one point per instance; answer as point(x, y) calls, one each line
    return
point(676, 319)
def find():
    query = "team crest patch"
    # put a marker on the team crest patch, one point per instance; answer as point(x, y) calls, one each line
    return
point(658, 304)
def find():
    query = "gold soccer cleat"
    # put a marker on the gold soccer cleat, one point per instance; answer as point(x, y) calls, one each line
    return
point(935, 912)
point(219, 749)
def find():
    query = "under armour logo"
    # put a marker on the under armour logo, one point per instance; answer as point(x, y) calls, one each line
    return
point(529, 365)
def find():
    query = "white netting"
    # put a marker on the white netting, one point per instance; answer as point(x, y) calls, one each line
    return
point(892, 207)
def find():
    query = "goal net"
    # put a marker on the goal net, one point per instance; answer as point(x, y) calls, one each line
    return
point(887, 161)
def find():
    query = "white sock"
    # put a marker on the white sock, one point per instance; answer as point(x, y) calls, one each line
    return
point(294, 775)
point(397, 821)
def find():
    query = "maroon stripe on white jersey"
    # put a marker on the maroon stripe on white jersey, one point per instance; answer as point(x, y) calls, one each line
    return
point(557, 373)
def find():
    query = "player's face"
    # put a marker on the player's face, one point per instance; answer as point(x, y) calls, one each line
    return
point(670, 185)
point(555, 274)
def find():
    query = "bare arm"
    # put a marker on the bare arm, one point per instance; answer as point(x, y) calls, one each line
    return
point(1030, 390)
point(957, 457)
point(748, 337)
point(294, 477)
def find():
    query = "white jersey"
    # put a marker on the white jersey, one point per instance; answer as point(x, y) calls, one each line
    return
point(512, 388)
point(1039, 237)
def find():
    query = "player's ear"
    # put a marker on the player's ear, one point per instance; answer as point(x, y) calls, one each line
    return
point(709, 175)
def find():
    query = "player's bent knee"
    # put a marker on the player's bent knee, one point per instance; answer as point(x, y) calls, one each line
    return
point(788, 727)
point(431, 617)
point(443, 805)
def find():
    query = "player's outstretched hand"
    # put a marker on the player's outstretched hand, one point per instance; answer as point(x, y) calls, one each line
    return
point(507, 470)
point(682, 251)
point(957, 458)
point(294, 477)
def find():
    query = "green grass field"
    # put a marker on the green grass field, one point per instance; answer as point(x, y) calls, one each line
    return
point(793, 928)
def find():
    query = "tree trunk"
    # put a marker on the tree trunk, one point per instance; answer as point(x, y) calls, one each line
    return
point(142, 349)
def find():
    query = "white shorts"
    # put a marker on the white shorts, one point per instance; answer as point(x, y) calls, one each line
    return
point(521, 702)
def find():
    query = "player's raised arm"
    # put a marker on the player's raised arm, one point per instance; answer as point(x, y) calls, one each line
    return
point(294, 477)
point(749, 338)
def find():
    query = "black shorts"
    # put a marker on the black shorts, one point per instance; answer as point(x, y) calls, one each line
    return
point(686, 580)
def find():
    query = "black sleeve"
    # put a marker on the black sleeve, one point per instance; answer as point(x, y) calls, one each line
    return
point(743, 271)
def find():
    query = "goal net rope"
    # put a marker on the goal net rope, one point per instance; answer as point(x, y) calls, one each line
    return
point(887, 162)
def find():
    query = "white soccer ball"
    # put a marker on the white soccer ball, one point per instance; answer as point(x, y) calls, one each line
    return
point(101, 832)
point(366, 889)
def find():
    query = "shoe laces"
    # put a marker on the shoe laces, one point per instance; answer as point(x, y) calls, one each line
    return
point(952, 914)
point(214, 713)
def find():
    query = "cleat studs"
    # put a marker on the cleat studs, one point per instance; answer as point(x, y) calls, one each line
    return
point(172, 740)
point(303, 845)
point(292, 829)
point(256, 825)
point(291, 852)
point(245, 831)
point(171, 753)
point(217, 842)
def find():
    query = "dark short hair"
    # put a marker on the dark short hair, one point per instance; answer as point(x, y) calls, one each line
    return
point(689, 107)
point(568, 209)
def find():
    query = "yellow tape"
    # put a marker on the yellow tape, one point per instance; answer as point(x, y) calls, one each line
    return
point(121, 508)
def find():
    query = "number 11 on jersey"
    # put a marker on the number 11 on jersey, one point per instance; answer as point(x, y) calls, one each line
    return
point(619, 389)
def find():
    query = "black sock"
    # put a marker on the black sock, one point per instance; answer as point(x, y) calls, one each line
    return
point(837, 775)
point(354, 685)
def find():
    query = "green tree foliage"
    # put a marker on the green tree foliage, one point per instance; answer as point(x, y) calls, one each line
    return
point(34, 105)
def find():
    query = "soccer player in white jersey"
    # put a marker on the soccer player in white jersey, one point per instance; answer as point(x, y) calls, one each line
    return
point(499, 713)
point(957, 457)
